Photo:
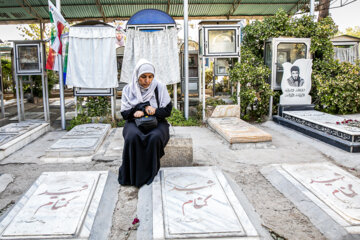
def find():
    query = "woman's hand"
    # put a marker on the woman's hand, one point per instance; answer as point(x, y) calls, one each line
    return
point(138, 114)
point(150, 110)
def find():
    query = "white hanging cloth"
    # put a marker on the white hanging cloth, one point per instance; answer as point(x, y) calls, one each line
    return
point(160, 48)
point(350, 54)
point(92, 57)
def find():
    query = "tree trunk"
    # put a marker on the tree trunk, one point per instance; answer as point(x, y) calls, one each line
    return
point(324, 6)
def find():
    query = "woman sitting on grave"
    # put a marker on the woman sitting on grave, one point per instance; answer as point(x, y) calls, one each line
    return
point(143, 99)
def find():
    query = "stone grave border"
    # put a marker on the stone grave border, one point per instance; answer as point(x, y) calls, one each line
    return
point(320, 214)
point(324, 134)
point(23, 139)
point(158, 219)
point(97, 221)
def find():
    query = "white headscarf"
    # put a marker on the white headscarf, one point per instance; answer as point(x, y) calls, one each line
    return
point(134, 94)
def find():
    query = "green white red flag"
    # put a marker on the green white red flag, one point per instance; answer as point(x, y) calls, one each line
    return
point(59, 24)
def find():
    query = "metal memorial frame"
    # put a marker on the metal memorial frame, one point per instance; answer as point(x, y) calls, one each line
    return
point(274, 43)
point(204, 54)
point(39, 71)
point(192, 80)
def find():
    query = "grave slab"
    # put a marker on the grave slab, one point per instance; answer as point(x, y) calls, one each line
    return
point(323, 126)
point(82, 140)
point(5, 180)
point(63, 205)
point(197, 203)
point(325, 193)
point(235, 130)
point(16, 135)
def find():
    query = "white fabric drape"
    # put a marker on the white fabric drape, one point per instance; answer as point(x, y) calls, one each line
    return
point(347, 54)
point(92, 57)
point(160, 48)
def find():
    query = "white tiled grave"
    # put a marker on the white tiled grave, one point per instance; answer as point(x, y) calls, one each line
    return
point(16, 135)
point(327, 194)
point(197, 203)
point(59, 205)
point(82, 140)
point(325, 123)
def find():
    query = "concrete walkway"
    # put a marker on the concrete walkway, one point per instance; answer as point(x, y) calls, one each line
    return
point(278, 214)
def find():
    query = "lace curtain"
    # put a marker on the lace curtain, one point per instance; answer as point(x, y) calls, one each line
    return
point(160, 48)
point(92, 57)
point(347, 54)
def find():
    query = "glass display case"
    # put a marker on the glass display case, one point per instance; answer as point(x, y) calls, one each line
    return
point(193, 67)
point(282, 50)
point(28, 58)
point(219, 40)
point(222, 66)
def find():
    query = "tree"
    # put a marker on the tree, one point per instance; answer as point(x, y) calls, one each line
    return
point(323, 7)
point(355, 31)
point(32, 32)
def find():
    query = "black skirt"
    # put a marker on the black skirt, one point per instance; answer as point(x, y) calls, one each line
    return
point(142, 153)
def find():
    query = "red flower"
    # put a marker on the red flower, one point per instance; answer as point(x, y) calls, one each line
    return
point(337, 123)
point(135, 221)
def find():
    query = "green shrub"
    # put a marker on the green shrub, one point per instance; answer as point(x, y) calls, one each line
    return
point(255, 91)
point(338, 87)
point(177, 119)
point(335, 86)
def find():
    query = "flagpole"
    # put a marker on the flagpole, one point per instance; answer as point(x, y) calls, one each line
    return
point(61, 81)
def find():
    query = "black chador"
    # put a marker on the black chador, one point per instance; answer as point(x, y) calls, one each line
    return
point(143, 150)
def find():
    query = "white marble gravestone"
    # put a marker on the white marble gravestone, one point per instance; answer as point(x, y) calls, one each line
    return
point(82, 140)
point(197, 202)
point(326, 123)
point(296, 92)
point(59, 205)
point(333, 192)
point(16, 135)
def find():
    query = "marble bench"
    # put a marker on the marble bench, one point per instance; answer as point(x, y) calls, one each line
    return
point(226, 121)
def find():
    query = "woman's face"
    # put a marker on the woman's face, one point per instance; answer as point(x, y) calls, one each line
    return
point(145, 79)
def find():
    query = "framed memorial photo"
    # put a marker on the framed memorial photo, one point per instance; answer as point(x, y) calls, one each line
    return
point(28, 58)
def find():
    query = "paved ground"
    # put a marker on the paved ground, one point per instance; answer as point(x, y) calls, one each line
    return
point(278, 214)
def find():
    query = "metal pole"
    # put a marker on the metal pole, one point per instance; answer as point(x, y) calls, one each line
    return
point(113, 105)
point(312, 7)
point(238, 89)
point(76, 106)
point(61, 82)
point(175, 95)
point(22, 107)
point(186, 59)
point(203, 87)
point(2, 94)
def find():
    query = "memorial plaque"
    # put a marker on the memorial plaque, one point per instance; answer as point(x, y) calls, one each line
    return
point(235, 130)
point(334, 186)
point(58, 205)
point(197, 202)
point(296, 82)
point(226, 111)
point(324, 192)
point(82, 140)
point(88, 130)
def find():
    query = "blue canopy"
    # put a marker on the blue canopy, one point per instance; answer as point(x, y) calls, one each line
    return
point(150, 16)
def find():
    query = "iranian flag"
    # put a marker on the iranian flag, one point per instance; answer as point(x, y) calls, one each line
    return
point(56, 47)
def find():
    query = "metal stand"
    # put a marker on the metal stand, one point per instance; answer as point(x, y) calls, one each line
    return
point(113, 105)
point(175, 95)
point(203, 87)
